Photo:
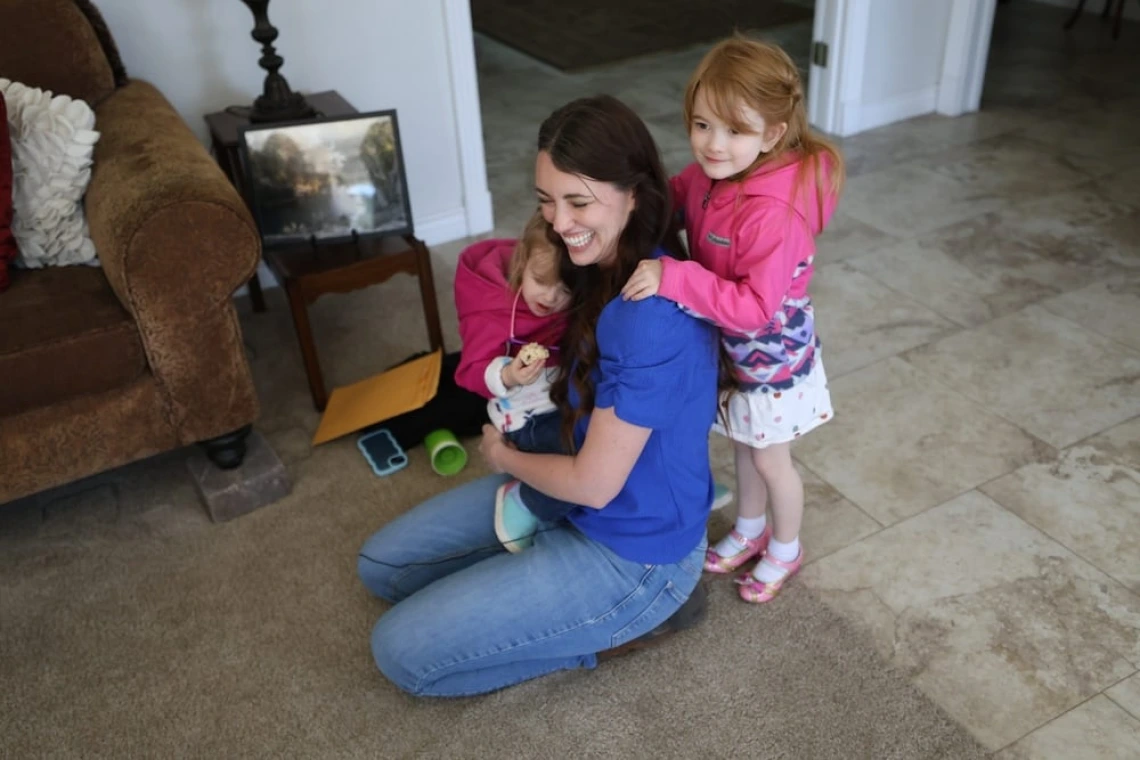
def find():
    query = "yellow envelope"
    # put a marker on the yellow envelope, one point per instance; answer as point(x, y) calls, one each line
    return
point(380, 397)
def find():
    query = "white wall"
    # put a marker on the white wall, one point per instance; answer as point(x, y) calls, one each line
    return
point(377, 53)
point(907, 39)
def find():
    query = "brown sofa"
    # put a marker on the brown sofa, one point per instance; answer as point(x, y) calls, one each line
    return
point(104, 366)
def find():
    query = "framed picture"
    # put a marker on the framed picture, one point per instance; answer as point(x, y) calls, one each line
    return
point(326, 179)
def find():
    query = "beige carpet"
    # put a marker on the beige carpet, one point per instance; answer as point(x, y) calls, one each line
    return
point(132, 627)
point(585, 33)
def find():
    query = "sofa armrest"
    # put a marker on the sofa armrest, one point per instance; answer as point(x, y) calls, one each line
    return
point(175, 241)
point(171, 231)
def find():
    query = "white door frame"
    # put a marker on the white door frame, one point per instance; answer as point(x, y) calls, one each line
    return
point(835, 93)
point(468, 116)
point(835, 90)
point(964, 61)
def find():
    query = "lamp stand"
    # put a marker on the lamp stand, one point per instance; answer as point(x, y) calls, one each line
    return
point(277, 102)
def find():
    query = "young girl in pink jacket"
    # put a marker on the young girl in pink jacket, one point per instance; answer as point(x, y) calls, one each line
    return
point(761, 189)
point(511, 298)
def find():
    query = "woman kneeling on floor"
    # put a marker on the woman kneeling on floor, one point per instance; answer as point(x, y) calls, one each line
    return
point(638, 394)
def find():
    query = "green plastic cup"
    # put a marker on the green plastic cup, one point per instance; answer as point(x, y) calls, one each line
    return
point(448, 456)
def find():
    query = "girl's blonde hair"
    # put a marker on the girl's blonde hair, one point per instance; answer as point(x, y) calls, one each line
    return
point(740, 71)
point(533, 244)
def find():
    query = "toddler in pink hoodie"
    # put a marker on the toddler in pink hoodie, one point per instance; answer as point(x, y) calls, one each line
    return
point(761, 189)
point(510, 295)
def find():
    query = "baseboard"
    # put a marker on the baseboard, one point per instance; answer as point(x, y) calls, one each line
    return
point(1131, 10)
point(443, 228)
point(480, 214)
point(860, 118)
point(264, 276)
point(435, 230)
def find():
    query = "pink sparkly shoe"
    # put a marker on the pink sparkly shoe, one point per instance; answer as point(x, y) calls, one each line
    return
point(758, 592)
point(753, 547)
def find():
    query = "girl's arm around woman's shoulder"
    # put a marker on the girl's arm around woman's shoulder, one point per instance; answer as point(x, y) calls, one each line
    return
point(765, 250)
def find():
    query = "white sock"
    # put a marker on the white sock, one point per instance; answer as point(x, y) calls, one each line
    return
point(749, 527)
point(766, 572)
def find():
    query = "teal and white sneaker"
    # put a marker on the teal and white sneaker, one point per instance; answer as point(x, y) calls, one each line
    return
point(722, 496)
point(514, 524)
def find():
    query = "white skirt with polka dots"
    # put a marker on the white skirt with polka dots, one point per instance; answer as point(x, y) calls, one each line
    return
point(761, 419)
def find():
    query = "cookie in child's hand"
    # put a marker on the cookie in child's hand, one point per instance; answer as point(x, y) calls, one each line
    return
point(533, 352)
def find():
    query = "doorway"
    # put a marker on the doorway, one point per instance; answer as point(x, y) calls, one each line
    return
point(882, 61)
point(515, 92)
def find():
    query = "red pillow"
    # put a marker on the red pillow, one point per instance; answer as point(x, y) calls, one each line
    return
point(7, 241)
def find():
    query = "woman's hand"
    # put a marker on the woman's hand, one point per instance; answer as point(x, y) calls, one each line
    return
point(644, 282)
point(492, 447)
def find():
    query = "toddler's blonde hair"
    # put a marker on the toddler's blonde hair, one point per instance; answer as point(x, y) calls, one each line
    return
point(533, 245)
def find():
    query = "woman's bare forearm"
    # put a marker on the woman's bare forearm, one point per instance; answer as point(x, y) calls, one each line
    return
point(593, 476)
point(555, 475)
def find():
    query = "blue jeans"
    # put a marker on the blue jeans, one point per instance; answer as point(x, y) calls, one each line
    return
point(542, 434)
point(470, 618)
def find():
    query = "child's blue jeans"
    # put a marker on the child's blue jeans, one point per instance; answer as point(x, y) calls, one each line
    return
point(542, 434)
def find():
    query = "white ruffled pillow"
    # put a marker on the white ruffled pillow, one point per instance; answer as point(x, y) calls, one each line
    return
point(52, 142)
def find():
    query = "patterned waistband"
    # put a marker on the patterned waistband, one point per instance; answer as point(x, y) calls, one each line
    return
point(780, 381)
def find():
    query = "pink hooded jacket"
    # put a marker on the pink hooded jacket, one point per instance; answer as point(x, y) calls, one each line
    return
point(753, 246)
point(484, 302)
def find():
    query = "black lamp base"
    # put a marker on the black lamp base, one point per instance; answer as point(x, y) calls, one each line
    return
point(277, 102)
point(293, 107)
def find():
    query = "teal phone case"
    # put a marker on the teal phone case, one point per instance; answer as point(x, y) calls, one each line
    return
point(382, 451)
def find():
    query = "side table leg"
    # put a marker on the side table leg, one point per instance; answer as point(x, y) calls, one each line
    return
point(255, 295)
point(427, 294)
point(308, 347)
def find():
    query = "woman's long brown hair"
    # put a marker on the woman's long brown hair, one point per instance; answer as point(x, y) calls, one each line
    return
point(601, 139)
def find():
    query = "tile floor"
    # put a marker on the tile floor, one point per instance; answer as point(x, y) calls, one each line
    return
point(976, 502)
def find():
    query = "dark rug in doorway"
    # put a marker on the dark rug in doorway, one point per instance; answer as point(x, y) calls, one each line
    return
point(584, 33)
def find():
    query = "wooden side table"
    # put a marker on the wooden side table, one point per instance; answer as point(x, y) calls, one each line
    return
point(308, 271)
